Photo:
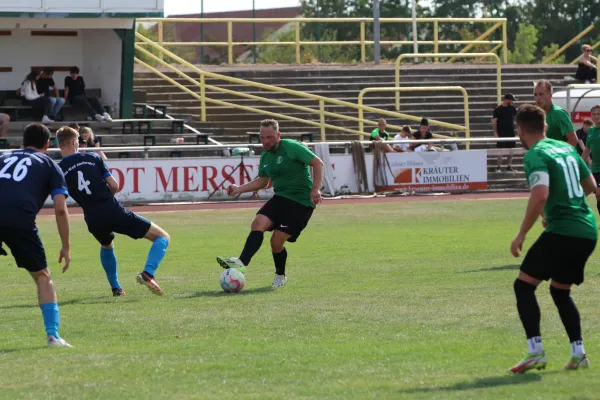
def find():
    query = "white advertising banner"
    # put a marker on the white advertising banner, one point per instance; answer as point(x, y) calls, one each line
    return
point(194, 179)
point(436, 171)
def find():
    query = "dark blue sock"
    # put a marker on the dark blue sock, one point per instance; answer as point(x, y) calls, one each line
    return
point(156, 254)
point(109, 263)
point(51, 318)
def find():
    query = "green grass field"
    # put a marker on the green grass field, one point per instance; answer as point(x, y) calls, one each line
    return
point(384, 301)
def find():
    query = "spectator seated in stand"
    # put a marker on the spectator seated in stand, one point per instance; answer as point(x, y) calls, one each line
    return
point(75, 93)
point(30, 97)
point(403, 135)
point(380, 134)
point(47, 87)
point(422, 134)
point(4, 121)
point(87, 139)
point(587, 72)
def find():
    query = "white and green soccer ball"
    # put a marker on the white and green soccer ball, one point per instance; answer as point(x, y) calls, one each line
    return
point(232, 280)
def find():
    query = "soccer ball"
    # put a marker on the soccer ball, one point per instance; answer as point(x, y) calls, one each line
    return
point(232, 280)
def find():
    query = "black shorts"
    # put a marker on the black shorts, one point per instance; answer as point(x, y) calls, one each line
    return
point(287, 215)
point(26, 248)
point(506, 145)
point(104, 226)
point(597, 178)
point(558, 257)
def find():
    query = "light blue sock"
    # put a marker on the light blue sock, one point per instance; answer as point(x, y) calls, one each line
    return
point(51, 318)
point(156, 254)
point(109, 263)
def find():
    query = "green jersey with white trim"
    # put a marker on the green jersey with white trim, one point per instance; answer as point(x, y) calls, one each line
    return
point(288, 169)
point(557, 165)
point(593, 143)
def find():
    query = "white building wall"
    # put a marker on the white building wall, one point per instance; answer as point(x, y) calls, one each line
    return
point(21, 51)
point(83, 6)
point(97, 53)
point(101, 65)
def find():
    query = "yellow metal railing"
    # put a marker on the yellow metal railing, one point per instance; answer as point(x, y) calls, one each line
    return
point(594, 47)
point(480, 38)
point(465, 55)
point(322, 101)
point(460, 89)
point(230, 43)
point(569, 44)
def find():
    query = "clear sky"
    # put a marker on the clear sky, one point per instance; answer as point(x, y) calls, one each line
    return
point(193, 6)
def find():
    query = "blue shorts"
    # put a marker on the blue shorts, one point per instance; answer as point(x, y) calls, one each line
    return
point(104, 225)
point(26, 248)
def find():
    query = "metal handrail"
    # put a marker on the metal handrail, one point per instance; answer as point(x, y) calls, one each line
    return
point(568, 44)
point(466, 55)
point(460, 89)
point(321, 99)
point(230, 44)
point(181, 147)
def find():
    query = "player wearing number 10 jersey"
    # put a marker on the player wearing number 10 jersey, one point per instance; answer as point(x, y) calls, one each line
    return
point(27, 177)
point(93, 187)
point(560, 181)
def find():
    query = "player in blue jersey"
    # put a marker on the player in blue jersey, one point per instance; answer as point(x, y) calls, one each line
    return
point(27, 177)
point(93, 187)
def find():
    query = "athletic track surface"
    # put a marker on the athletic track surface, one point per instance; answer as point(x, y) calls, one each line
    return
point(327, 203)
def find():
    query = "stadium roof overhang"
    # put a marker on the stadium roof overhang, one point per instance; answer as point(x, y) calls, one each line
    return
point(66, 23)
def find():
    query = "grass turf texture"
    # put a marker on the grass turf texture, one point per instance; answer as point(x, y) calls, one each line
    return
point(395, 300)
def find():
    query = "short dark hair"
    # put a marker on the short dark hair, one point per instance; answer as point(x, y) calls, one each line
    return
point(36, 135)
point(74, 70)
point(424, 122)
point(588, 122)
point(596, 106)
point(48, 70)
point(74, 125)
point(531, 118)
point(66, 134)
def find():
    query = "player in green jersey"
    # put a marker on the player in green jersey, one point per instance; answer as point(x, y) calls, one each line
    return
point(592, 147)
point(560, 181)
point(559, 123)
point(286, 164)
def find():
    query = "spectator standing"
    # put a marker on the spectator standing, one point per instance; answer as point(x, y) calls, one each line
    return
point(582, 135)
point(31, 97)
point(75, 93)
point(47, 87)
point(504, 126)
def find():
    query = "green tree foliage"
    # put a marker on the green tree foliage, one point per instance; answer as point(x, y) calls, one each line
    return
point(286, 54)
point(187, 53)
point(549, 50)
point(525, 45)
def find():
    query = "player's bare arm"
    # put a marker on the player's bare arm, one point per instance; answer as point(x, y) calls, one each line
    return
point(112, 184)
point(589, 185)
point(318, 173)
point(586, 156)
point(62, 222)
point(535, 206)
point(257, 184)
point(495, 125)
point(572, 138)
